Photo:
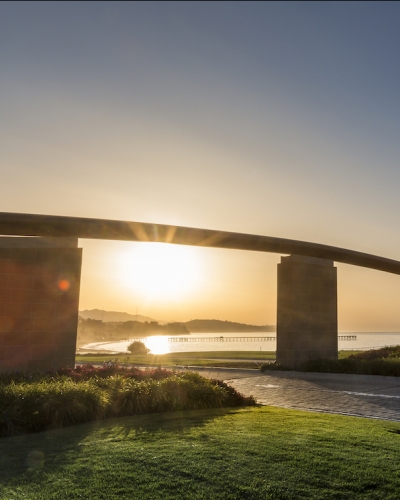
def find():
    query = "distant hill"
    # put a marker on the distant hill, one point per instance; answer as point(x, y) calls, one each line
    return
point(193, 326)
point(107, 316)
point(217, 326)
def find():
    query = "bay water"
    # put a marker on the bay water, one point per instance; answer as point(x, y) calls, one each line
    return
point(202, 342)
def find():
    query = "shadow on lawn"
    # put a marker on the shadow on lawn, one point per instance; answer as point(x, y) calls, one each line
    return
point(49, 451)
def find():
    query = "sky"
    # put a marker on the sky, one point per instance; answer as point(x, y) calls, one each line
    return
point(270, 118)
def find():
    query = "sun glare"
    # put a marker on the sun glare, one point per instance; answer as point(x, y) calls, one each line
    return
point(160, 270)
point(157, 345)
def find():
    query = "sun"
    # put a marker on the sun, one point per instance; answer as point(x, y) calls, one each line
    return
point(157, 345)
point(160, 270)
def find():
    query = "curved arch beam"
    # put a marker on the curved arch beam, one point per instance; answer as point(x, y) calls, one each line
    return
point(104, 229)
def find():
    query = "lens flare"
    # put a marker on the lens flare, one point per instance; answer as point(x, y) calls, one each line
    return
point(64, 285)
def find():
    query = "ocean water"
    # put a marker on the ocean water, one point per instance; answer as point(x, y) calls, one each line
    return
point(241, 342)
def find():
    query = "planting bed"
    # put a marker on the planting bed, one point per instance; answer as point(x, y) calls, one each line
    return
point(36, 402)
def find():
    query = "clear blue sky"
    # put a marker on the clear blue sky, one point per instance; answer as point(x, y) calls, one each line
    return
point(273, 118)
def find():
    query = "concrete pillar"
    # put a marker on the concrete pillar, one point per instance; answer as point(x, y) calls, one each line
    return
point(307, 310)
point(39, 299)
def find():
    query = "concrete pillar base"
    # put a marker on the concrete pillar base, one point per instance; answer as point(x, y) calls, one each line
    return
point(307, 310)
point(39, 299)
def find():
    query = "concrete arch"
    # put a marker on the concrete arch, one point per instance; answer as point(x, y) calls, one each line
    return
point(307, 283)
point(79, 227)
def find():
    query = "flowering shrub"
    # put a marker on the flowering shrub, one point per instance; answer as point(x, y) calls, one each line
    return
point(86, 372)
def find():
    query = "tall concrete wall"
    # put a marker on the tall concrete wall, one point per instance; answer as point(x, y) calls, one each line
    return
point(39, 300)
point(307, 310)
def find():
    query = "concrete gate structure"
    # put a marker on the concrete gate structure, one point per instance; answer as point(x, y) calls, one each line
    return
point(39, 299)
point(307, 285)
point(307, 325)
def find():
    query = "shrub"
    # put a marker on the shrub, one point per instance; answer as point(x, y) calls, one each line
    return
point(32, 407)
point(361, 364)
point(384, 352)
point(32, 403)
point(138, 348)
point(272, 367)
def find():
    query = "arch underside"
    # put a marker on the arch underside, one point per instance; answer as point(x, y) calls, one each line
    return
point(60, 226)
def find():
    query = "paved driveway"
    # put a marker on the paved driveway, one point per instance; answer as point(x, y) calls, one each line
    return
point(360, 395)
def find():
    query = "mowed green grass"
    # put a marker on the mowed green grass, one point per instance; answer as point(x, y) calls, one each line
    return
point(210, 358)
point(251, 453)
point(234, 359)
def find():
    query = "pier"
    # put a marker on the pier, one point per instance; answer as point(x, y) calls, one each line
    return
point(221, 338)
point(306, 326)
point(240, 339)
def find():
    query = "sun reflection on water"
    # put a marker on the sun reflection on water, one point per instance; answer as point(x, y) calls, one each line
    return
point(157, 344)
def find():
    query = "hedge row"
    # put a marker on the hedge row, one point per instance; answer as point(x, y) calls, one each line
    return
point(388, 366)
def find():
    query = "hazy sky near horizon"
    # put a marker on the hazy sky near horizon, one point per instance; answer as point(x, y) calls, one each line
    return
point(272, 118)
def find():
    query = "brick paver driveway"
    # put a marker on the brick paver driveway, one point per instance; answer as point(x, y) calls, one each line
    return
point(361, 395)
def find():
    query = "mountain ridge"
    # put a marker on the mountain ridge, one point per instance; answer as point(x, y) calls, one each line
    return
point(224, 326)
point(193, 326)
point(112, 316)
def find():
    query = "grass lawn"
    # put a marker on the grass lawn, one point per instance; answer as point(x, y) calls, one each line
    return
point(346, 354)
point(241, 359)
point(227, 359)
point(250, 453)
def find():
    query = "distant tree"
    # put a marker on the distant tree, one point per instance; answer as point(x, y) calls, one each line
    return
point(138, 347)
point(176, 329)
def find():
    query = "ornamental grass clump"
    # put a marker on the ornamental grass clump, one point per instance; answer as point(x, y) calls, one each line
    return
point(31, 403)
point(33, 407)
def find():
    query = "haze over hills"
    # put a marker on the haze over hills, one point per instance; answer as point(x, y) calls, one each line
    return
point(107, 316)
point(193, 326)
point(96, 325)
point(218, 326)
